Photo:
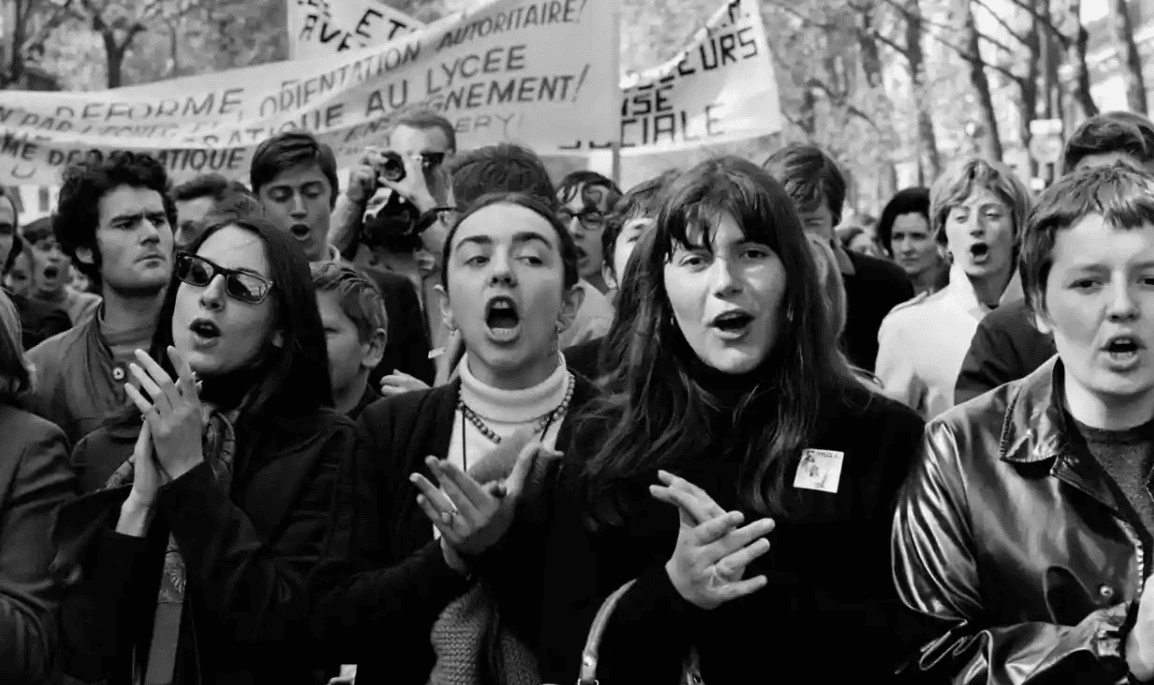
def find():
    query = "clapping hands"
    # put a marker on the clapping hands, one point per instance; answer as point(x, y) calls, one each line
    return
point(708, 565)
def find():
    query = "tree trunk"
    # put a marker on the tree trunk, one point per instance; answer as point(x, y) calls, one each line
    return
point(1048, 58)
point(992, 141)
point(113, 57)
point(1122, 37)
point(1076, 57)
point(915, 61)
point(871, 60)
point(14, 42)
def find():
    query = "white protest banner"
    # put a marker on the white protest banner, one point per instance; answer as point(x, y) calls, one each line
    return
point(324, 28)
point(720, 88)
point(512, 70)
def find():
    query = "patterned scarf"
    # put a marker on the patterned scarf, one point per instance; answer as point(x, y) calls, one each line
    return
point(219, 449)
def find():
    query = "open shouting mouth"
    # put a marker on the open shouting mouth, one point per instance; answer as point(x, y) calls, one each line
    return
point(502, 319)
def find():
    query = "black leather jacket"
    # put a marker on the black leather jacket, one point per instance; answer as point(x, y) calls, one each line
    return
point(1021, 546)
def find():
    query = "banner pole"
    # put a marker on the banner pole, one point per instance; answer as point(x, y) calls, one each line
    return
point(616, 71)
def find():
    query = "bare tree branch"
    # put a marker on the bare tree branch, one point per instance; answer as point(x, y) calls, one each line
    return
point(1046, 22)
point(927, 24)
point(1001, 22)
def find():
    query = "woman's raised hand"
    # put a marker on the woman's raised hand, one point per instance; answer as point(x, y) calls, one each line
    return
point(172, 411)
point(473, 517)
point(712, 552)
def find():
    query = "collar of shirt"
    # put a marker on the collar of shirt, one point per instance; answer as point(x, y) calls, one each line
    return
point(961, 291)
point(844, 263)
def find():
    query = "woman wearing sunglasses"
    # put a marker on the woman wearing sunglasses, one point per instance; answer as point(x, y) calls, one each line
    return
point(192, 558)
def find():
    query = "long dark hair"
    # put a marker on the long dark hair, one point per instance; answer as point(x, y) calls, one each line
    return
point(658, 410)
point(302, 359)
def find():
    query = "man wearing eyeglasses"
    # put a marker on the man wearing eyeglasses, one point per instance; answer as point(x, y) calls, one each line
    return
point(383, 221)
point(586, 198)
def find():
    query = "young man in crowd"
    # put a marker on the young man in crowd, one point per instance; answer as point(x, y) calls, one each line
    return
point(114, 221)
point(1007, 346)
point(632, 217)
point(1021, 528)
point(295, 178)
point(393, 225)
point(873, 286)
point(51, 273)
point(587, 198)
point(196, 199)
point(356, 324)
point(38, 321)
point(978, 209)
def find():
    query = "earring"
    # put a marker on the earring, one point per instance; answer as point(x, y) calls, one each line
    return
point(560, 326)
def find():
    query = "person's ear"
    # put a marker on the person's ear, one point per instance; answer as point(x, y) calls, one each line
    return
point(570, 305)
point(277, 339)
point(374, 349)
point(607, 274)
point(84, 255)
point(1041, 317)
point(446, 308)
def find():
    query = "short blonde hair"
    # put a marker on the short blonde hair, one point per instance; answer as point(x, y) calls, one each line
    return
point(15, 371)
point(960, 180)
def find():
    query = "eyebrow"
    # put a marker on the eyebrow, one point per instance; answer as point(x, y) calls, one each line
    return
point(1098, 267)
point(518, 238)
point(138, 215)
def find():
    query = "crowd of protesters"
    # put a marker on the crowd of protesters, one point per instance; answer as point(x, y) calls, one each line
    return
point(460, 425)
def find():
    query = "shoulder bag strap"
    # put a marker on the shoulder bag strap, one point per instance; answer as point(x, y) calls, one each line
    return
point(593, 642)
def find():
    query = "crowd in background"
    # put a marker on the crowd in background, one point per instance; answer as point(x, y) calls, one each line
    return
point(455, 423)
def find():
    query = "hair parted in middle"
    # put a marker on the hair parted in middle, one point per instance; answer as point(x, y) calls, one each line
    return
point(656, 404)
point(963, 177)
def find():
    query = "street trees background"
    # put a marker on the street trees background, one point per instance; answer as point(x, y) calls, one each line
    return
point(893, 88)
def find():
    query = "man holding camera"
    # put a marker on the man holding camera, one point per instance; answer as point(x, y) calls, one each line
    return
point(294, 176)
point(391, 214)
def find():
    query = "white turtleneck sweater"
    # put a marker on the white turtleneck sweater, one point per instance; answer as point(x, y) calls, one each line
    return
point(504, 412)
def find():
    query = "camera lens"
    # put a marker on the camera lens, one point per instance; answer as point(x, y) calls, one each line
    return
point(393, 167)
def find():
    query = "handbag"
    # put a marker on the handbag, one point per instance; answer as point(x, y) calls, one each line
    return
point(690, 671)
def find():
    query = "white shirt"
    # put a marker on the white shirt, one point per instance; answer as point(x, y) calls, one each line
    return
point(593, 318)
point(923, 343)
point(504, 412)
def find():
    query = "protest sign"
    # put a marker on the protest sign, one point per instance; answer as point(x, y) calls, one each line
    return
point(720, 88)
point(320, 28)
point(512, 70)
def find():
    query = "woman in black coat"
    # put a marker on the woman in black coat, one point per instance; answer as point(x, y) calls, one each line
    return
point(735, 469)
point(194, 555)
point(35, 480)
point(510, 288)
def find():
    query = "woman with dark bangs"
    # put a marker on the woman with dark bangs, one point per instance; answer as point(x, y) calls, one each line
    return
point(736, 470)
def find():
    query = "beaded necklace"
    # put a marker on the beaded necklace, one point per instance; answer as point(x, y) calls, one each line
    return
point(544, 423)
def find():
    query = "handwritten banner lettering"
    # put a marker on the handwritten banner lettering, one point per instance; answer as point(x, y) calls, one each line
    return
point(718, 89)
point(320, 28)
point(513, 70)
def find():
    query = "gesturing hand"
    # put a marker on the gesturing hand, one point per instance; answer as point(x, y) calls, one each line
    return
point(399, 382)
point(472, 517)
point(710, 559)
point(146, 474)
point(173, 415)
point(426, 190)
